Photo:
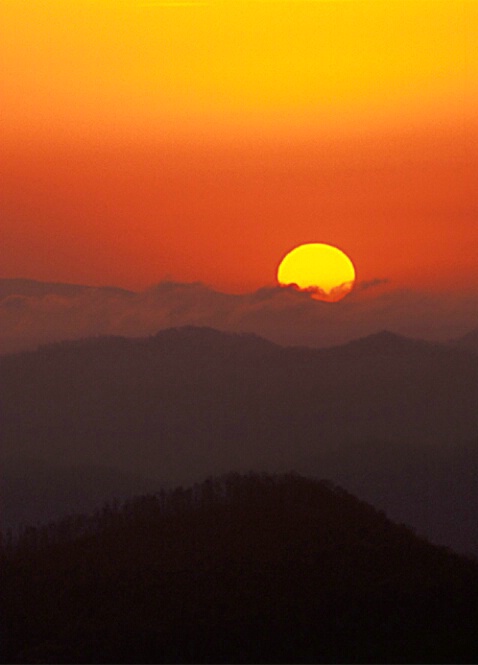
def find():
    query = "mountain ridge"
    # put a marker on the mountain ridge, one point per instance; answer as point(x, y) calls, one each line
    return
point(382, 340)
point(33, 313)
point(190, 402)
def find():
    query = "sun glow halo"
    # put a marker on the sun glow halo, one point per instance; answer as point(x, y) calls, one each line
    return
point(323, 270)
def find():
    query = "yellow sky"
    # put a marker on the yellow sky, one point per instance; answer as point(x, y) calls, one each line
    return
point(286, 67)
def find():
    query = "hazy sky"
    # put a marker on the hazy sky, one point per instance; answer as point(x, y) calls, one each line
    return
point(201, 141)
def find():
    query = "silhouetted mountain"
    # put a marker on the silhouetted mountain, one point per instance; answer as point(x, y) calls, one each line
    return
point(34, 313)
point(238, 569)
point(387, 341)
point(383, 415)
point(433, 488)
point(468, 341)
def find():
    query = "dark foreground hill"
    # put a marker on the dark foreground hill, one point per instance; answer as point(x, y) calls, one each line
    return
point(393, 419)
point(238, 569)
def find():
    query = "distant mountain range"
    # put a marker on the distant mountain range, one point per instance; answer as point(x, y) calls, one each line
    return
point(468, 341)
point(394, 420)
point(34, 313)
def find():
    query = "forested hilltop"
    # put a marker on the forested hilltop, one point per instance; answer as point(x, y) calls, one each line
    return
point(252, 568)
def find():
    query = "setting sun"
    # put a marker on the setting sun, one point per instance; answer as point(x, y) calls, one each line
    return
point(322, 269)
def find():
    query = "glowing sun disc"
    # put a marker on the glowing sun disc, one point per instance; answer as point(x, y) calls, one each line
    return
point(323, 270)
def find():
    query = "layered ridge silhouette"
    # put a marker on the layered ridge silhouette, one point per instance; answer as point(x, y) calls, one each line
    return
point(393, 419)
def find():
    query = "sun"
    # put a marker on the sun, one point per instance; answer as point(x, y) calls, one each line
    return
point(323, 270)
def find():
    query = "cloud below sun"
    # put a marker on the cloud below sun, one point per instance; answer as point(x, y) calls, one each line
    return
point(33, 313)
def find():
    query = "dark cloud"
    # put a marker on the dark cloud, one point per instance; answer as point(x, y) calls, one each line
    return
point(284, 315)
point(372, 283)
point(14, 303)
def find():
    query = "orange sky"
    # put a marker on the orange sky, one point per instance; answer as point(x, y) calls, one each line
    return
point(201, 141)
